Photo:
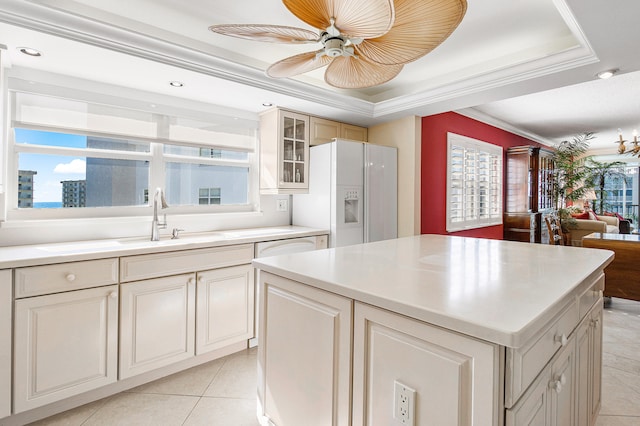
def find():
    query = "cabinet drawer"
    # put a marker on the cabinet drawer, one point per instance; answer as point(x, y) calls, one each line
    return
point(38, 280)
point(591, 295)
point(145, 266)
point(524, 364)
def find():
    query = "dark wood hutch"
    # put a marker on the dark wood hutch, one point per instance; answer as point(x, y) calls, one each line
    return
point(529, 181)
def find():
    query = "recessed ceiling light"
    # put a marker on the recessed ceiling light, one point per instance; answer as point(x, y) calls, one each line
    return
point(176, 83)
point(29, 51)
point(267, 104)
point(607, 74)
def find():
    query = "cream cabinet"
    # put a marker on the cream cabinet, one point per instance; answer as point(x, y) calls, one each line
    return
point(6, 315)
point(323, 131)
point(224, 306)
point(304, 357)
point(284, 152)
point(551, 400)
point(568, 390)
point(65, 344)
point(452, 374)
point(158, 305)
point(589, 367)
point(562, 387)
point(157, 323)
point(354, 133)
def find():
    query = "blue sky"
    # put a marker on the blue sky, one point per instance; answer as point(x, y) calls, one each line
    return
point(51, 168)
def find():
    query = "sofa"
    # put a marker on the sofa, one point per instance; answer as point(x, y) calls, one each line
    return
point(578, 228)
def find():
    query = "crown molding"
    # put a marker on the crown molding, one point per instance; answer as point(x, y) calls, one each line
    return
point(59, 23)
point(488, 119)
point(45, 18)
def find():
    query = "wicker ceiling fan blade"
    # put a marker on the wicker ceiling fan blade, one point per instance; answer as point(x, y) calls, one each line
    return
point(354, 18)
point(349, 72)
point(271, 33)
point(420, 26)
point(298, 64)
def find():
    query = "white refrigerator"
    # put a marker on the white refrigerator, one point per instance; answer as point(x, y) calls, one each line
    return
point(353, 189)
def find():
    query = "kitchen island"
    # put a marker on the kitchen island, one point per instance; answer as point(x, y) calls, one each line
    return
point(431, 330)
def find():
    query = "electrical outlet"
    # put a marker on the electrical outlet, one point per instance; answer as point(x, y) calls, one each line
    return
point(404, 404)
point(282, 205)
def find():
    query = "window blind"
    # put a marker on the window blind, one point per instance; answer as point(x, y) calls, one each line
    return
point(474, 183)
point(51, 113)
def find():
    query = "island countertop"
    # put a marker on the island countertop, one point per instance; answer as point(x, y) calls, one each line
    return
point(498, 291)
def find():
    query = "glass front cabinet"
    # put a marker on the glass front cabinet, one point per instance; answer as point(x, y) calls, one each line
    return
point(284, 152)
point(529, 194)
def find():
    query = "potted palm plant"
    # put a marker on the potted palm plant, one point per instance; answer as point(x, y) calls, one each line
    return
point(570, 173)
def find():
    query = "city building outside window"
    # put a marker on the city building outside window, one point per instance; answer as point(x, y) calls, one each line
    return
point(209, 196)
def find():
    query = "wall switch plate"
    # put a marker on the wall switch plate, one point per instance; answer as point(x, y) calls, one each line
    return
point(282, 205)
point(404, 404)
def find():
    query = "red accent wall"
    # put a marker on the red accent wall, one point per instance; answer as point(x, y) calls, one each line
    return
point(434, 167)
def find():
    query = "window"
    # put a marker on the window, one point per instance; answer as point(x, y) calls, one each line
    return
point(80, 157)
point(474, 183)
point(209, 196)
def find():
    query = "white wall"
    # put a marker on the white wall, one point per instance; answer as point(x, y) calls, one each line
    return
point(406, 135)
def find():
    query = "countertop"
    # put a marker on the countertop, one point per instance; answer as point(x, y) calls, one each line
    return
point(42, 254)
point(498, 291)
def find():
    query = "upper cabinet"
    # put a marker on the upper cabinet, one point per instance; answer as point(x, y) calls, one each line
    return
point(284, 152)
point(285, 137)
point(323, 131)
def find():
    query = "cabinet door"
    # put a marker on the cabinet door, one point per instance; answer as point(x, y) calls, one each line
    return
point(531, 409)
point(157, 323)
point(65, 344)
point(583, 371)
point(284, 152)
point(304, 356)
point(224, 307)
point(562, 388)
point(323, 131)
point(589, 366)
point(455, 377)
point(6, 315)
point(294, 151)
point(354, 133)
point(596, 360)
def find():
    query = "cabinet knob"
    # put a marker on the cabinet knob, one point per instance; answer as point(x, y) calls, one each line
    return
point(191, 281)
point(71, 277)
point(562, 339)
point(113, 295)
point(557, 386)
point(596, 322)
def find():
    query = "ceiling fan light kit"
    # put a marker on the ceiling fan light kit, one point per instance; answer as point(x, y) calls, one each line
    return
point(364, 42)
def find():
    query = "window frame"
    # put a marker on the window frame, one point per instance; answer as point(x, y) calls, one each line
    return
point(156, 157)
point(496, 182)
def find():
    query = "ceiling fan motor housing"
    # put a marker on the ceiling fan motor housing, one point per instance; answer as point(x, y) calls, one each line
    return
point(333, 46)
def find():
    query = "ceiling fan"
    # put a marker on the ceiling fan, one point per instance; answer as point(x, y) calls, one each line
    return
point(364, 42)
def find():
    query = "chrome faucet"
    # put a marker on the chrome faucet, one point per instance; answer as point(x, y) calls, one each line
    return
point(155, 225)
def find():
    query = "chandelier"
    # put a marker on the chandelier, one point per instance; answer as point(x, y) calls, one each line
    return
point(622, 149)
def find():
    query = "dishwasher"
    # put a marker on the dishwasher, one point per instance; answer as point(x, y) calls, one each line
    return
point(277, 247)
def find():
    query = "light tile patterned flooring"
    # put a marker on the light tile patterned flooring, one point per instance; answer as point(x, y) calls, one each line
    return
point(222, 392)
point(621, 365)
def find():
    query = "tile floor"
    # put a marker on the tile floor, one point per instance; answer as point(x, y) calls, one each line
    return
point(222, 392)
point(621, 365)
